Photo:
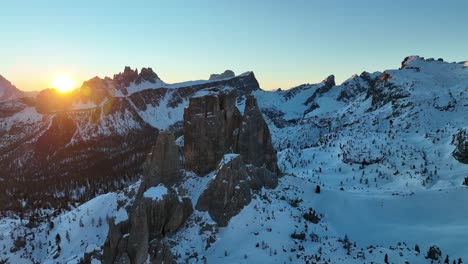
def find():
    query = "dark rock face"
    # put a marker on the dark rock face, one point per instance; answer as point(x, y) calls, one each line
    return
point(209, 123)
point(163, 164)
point(125, 78)
point(149, 75)
point(329, 82)
point(214, 126)
point(460, 141)
point(355, 86)
point(261, 177)
point(150, 219)
point(384, 91)
point(230, 190)
point(165, 216)
point(254, 141)
point(225, 74)
point(137, 247)
point(228, 193)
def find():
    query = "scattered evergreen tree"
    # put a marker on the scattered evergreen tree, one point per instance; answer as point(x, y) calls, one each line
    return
point(416, 248)
point(317, 189)
point(386, 259)
point(434, 253)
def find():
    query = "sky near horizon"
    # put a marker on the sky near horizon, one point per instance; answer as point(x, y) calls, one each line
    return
point(286, 43)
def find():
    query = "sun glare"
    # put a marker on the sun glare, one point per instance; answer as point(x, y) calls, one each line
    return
point(63, 83)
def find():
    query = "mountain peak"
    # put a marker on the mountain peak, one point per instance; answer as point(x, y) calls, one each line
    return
point(8, 90)
point(224, 75)
point(329, 81)
point(125, 78)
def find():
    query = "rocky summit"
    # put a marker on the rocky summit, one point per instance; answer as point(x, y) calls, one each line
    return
point(214, 126)
point(224, 75)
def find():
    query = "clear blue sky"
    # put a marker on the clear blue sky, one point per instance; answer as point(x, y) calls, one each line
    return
point(285, 43)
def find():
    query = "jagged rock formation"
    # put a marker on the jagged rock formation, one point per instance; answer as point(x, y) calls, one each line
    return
point(124, 79)
point(460, 141)
point(228, 193)
point(157, 211)
point(214, 126)
point(166, 215)
point(209, 123)
point(150, 220)
point(254, 139)
point(162, 164)
point(224, 75)
point(230, 189)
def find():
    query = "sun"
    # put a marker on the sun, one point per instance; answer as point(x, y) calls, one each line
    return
point(63, 83)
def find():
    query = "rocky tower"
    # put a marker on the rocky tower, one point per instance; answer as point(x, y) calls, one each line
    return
point(254, 141)
point(162, 164)
point(157, 211)
point(209, 123)
point(213, 126)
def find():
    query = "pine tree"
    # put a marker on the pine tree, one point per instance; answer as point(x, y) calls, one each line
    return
point(386, 259)
point(317, 189)
point(57, 239)
point(416, 248)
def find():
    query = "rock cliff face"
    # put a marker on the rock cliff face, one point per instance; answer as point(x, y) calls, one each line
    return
point(209, 124)
point(150, 220)
point(157, 211)
point(225, 74)
point(460, 141)
point(228, 193)
point(163, 163)
point(213, 126)
point(254, 140)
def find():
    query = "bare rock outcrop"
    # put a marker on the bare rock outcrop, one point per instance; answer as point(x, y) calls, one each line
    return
point(165, 211)
point(157, 211)
point(460, 141)
point(254, 141)
point(224, 75)
point(228, 192)
point(209, 123)
point(162, 164)
point(213, 126)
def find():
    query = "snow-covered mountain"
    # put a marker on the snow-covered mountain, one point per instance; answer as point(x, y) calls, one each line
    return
point(372, 169)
